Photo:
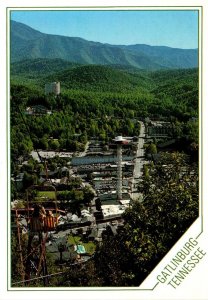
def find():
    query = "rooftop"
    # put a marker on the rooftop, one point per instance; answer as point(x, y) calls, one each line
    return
point(120, 140)
point(112, 209)
point(89, 160)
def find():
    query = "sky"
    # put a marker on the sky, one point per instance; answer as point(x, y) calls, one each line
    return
point(176, 28)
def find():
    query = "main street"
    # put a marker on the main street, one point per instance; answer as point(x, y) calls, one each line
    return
point(138, 163)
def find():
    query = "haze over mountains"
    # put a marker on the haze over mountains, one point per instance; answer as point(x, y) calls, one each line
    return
point(28, 43)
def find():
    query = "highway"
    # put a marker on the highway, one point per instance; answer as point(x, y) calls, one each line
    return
point(139, 162)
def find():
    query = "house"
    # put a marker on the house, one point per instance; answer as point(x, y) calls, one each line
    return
point(37, 110)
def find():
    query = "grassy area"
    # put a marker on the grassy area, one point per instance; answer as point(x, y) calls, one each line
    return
point(73, 240)
point(89, 247)
point(46, 194)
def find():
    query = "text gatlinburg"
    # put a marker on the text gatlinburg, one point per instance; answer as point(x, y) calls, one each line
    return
point(182, 264)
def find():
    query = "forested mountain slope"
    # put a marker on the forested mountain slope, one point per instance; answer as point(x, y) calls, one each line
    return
point(27, 43)
point(100, 78)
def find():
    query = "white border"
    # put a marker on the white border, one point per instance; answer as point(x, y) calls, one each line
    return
point(194, 287)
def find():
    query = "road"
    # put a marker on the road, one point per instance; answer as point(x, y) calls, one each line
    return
point(139, 162)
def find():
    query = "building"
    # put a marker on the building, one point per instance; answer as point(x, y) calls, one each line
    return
point(52, 88)
point(159, 129)
point(119, 141)
point(37, 110)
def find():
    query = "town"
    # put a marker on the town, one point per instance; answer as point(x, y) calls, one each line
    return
point(91, 170)
point(103, 144)
point(84, 196)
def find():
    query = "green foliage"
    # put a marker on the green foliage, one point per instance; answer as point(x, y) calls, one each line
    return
point(46, 194)
point(78, 115)
point(54, 144)
point(98, 78)
point(192, 130)
point(178, 90)
point(40, 66)
point(151, 149)
point(88, 195)
point(29, 180)
point(146, 172)
point(74, 197)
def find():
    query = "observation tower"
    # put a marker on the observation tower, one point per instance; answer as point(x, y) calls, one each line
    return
point(120, 141)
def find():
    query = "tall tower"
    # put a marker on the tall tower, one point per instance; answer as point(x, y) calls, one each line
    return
point(120, 141)
point(52, 88)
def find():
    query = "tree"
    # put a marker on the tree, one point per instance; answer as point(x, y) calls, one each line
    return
point(54, 144)
point(88, 195)
point(44, 142)
point(29, 180)
point(152, 149)
point(192, 130)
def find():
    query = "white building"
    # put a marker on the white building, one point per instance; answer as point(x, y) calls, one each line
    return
point(52, 88)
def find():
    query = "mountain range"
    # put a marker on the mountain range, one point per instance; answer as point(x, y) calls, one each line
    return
point(28, 43)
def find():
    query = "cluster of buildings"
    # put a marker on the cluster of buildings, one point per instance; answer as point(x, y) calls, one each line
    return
point(159, 128)
point(108, 173)
point(37, 110)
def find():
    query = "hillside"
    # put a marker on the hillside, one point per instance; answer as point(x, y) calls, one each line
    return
point(163, 92)
point(40, 67)
point(80, 77)
point(180, 85)
point(113, 78)
point(170, 57)
point(27, 43)
point(100, 78)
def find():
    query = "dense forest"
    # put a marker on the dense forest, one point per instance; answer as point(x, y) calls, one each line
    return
point(97, 101)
